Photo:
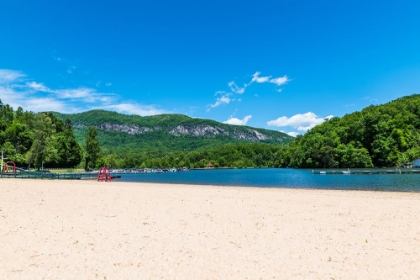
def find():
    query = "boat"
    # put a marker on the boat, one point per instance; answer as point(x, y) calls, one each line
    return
point(346, 172)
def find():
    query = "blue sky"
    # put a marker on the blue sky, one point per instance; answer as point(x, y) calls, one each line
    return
point(282, 65)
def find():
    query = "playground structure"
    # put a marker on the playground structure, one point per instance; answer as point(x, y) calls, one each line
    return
point(9, 168)
point(104, 175)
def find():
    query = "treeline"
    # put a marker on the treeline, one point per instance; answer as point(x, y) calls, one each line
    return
point(36, 140)
point(378, 136)
point(231, 155)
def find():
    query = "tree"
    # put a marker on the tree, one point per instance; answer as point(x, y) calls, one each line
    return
point(93, 149)
point(70, 152)
point(43, 148)
point(21, 138)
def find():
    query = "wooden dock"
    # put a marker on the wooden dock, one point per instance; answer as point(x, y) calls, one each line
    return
point(366, 171)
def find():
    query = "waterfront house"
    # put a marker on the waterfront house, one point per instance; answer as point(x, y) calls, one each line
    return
point(416, 163)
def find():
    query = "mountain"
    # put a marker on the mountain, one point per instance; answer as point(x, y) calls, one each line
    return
point(167, 132)
point(381, 136)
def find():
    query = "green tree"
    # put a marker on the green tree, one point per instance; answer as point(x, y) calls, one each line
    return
point(70, 152)
point(43, 149)
point(93, 149)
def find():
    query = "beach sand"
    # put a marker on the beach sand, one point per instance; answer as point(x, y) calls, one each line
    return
point(90, 230)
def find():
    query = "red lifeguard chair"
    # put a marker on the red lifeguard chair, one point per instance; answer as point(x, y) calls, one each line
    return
point(104, 175)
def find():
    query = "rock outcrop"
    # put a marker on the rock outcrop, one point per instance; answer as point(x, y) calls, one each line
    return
point(201, 130)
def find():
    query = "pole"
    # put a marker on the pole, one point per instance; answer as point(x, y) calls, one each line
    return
point(2, 162)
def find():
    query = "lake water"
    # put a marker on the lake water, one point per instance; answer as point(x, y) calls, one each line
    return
point(283, 178)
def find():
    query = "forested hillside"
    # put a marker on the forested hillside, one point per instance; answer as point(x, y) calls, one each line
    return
point(384, 135)
point(37, 140)
point(128, 134)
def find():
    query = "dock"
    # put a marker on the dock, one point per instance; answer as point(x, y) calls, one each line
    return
point(366, 171)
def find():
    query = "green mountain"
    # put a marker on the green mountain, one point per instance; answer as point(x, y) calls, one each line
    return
point(380, 136)
point(165, 133)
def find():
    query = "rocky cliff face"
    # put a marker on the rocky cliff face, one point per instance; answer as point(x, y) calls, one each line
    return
point(253, 135)
point(199, 130)
point(210, 131)
point(130, 129)
point(193, 130)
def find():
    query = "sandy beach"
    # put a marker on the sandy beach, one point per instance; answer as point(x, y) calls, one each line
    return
point(91, 230)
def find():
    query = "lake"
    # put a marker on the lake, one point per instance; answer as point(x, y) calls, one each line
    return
point(283, 178)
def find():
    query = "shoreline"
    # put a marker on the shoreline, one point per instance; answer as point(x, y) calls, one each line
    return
point(264, 187)
point(88, 229)
point(115, 180)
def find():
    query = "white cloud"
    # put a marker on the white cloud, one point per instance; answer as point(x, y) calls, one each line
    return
point(306, 128)
point(9, 96)
point(293, 134)
point(45, 104)
point(236, 121)
point(234, 88)
point(301, 122)
point(84, 93)
point(17, 90)
point(135, 109)
point(221, 100)
point(258, 79)
point(88, 95)
point(38, 87)
point(221, 92)
point(7, 76)
point(280, 81)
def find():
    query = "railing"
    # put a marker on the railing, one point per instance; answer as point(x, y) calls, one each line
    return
point(52, 176)
point(40, 175)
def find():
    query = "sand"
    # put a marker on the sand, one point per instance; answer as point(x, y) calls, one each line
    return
point(90, 230)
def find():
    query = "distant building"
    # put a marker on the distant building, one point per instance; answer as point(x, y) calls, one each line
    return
point(416, 162)
point(209, 165)
point(408, 165)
